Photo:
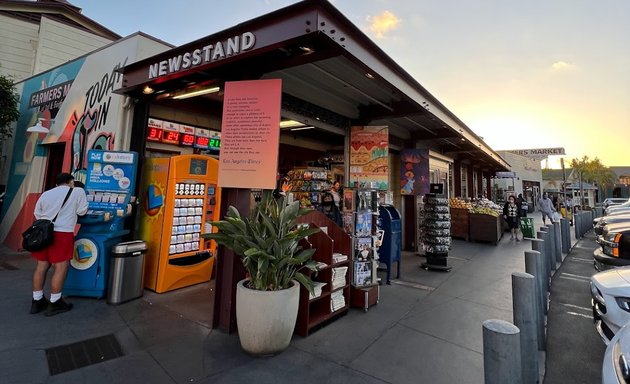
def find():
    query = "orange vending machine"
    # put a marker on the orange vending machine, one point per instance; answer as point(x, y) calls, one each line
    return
point(180, 199)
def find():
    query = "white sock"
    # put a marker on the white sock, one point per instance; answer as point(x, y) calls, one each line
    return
point(54, 297)
point(38, 295)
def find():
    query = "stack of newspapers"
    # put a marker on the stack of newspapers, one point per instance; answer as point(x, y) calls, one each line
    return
point(337, 300)
point(338, 257)
point(339, 277)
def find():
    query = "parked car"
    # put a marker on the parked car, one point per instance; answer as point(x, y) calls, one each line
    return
point(614, 201)
point(616, 365)
point(614, 248)
point(617, 207)
point(600, 222)
point(611, 302)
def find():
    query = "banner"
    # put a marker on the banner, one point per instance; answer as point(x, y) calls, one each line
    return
point(539, 153)
point(414, 171)
point(369, 157)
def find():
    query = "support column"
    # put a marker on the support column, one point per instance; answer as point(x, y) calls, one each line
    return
point(469, 179)
point(229, 267)
point(479, 182)
point(488, 185)
point(457, 178)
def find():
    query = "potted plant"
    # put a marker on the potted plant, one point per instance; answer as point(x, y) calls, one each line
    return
point(268, 244)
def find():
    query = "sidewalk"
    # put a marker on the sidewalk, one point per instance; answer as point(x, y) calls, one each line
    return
point(425, 329)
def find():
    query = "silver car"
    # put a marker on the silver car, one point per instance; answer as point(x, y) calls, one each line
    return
point(616, 366)
point(611, 301)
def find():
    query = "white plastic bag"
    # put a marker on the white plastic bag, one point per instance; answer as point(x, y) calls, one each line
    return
point(556, 216)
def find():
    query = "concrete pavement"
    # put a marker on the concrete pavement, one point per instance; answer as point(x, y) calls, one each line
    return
point(425, 329)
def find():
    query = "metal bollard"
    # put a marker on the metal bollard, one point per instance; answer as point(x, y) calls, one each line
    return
point(564, 231)
point(524, 312)
point(551, 259)
point(558, 238)
point(501, 353)
point(538, 245)
point(552, 242)
point(576, 225)
point(534, 266)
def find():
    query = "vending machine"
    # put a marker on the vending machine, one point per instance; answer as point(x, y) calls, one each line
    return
point(109, 183)
point(180, 198)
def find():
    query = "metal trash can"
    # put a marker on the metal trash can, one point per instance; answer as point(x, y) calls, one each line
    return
point(126, 272)
point(527, 227)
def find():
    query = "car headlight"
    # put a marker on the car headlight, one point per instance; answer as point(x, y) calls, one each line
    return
point(623, 303)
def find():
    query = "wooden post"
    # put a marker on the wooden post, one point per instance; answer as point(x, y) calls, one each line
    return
point(230, 270)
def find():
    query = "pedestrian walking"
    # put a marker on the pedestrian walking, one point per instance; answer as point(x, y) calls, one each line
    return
point(511, 214)
point(65, 202)
point(545, 205)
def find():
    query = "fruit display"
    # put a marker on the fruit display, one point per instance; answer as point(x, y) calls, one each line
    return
point(456, 202)
point(485, 211)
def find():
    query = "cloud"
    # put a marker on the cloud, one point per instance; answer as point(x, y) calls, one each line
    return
point(562, 66)
point(383, 23)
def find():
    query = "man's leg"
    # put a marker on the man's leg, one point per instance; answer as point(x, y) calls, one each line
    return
point(39, 302)
point(39, 275)
point(59, 276)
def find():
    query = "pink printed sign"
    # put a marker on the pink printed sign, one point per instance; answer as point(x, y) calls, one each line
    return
point(250, 134)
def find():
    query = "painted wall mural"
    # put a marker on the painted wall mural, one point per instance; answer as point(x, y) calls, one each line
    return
point(414, 172)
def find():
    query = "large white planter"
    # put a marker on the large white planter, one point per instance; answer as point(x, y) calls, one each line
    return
point(266, 319)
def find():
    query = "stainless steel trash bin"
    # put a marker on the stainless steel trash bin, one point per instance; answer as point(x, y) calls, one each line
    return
point(126, 272)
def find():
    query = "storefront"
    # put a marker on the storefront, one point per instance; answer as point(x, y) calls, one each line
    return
point(344, 104)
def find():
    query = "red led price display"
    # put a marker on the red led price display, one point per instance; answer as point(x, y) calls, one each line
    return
point(170, 137)
point(154, 134)
point(201, 142)
point(187, 140)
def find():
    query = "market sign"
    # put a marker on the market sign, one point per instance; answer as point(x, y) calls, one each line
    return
point(539, 153)
point(505, 175)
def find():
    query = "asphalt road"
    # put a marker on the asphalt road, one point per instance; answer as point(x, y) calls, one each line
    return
point(574, 349)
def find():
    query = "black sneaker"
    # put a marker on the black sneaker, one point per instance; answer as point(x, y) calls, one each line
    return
point(58, 307)
point(38, 305)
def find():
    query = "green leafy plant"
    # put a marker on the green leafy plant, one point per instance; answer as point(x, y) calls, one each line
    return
point(268, 242)
point(8, 107)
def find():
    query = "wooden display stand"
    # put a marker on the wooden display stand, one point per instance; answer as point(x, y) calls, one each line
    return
point(316, 311)
point(459, 223)
point(365, 297)
point(486, 228)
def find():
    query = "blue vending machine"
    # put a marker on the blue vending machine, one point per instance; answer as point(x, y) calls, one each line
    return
point(109, 184)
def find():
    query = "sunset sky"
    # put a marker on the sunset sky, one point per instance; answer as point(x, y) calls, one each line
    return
point(521, 74)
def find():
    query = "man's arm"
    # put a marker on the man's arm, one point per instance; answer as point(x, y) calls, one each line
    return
point(82, 204)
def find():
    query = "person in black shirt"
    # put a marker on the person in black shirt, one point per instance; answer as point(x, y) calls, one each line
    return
point(511, 214)
point(330, 209)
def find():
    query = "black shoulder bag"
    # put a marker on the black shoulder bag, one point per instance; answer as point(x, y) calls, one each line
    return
point(40, 234)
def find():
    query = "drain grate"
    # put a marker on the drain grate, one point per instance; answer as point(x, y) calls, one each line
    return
point(73, 356)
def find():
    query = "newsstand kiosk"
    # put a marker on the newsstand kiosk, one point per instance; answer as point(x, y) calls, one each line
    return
point(110, 181)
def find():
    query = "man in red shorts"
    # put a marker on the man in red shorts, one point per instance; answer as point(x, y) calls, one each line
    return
point(59, 253)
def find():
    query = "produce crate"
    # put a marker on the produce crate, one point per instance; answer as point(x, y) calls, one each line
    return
point(485, 228)
point(459, 223)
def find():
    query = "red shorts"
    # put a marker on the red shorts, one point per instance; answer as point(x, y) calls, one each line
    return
point(61, 249)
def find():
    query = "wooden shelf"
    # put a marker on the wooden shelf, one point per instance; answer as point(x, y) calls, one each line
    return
point(313, 312)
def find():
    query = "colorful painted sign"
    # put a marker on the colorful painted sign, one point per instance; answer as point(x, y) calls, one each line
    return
point(369, 157)
point(250, 134)
point(414, 171)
